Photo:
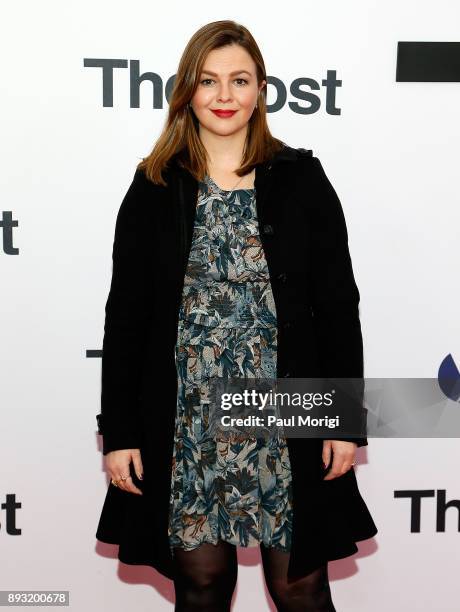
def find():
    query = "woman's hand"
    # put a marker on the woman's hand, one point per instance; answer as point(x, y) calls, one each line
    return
point(343, 457)
point(118, 462)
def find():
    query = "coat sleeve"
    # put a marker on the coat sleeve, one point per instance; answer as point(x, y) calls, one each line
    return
point(127, 311)
point(335, 296)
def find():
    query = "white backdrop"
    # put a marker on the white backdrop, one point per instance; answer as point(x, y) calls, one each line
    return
point(392, 155)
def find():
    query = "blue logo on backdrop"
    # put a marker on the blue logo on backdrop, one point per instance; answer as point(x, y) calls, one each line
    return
point(449, 378)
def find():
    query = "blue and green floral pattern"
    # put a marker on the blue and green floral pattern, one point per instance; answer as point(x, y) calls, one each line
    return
point(236, 489)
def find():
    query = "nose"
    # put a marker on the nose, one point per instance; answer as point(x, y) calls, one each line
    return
point(224, 93)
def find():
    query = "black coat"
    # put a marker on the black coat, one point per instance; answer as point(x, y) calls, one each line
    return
point(304, 236)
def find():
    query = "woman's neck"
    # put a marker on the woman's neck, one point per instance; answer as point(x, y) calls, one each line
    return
point(224, 157)
point(224, 152)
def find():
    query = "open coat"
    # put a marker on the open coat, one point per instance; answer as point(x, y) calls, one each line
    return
point(304, 236)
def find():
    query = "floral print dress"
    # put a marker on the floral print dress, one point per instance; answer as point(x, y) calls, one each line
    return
point(238, 489)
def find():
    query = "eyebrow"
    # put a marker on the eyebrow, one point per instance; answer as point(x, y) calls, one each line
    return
point(231, 73)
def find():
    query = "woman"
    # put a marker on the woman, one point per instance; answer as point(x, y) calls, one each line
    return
point(230, 258)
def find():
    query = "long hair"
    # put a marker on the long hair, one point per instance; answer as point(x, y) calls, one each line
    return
point(180, 135)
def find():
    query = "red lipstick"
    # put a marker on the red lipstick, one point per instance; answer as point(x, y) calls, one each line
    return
point(224, 113)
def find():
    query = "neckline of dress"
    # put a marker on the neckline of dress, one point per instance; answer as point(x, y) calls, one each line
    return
point(208, 179)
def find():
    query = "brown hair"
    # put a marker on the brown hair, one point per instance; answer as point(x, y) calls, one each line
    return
point(180, 134)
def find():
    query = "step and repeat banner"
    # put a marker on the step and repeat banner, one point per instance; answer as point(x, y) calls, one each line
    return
point(373, 89)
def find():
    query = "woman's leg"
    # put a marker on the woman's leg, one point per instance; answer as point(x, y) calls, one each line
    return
point(311, 593)
point(205, 577)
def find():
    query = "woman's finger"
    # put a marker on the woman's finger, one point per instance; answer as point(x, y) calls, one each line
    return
point(119, 470)
point(130, 487)
point(338, 461)
point(120, 478)
point(137, 462)
point(124, 481)
point(327, 446)
point(340, 465)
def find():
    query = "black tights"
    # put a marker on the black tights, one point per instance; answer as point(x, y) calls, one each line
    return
point(311, 593)
point(206, 578)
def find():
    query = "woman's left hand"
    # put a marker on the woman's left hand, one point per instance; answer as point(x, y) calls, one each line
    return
point(343, 457)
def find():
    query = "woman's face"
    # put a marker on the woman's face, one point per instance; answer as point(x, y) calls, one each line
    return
point(228, 81)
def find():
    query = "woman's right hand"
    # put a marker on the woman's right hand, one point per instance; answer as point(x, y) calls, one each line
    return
point(118, 462)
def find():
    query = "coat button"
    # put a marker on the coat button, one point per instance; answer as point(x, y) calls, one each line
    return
point(268, 229)
point(281, 277)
